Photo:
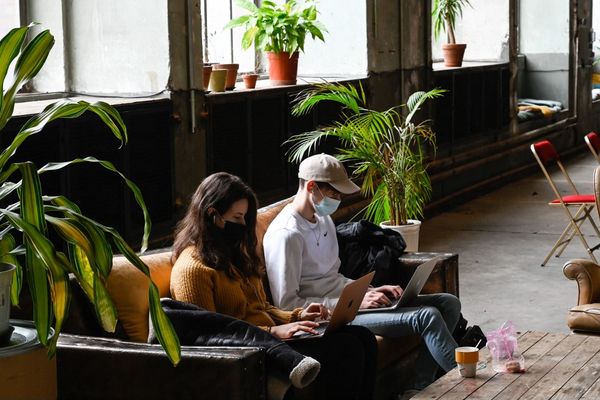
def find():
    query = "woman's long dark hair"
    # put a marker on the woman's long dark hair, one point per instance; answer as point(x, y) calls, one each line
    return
point(197, 228)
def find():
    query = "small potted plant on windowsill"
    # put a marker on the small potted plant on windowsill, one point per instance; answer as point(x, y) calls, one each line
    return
point(386, 149)
point(280, 30)
point(445, 13)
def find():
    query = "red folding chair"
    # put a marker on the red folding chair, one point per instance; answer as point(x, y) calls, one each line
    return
point(593, 141)
point(546, 155)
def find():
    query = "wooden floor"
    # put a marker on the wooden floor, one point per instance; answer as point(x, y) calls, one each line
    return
point(557, 366)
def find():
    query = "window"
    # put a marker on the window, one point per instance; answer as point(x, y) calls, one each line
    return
point(344, 52)
point(9, 16)
point(484, 28)
point(103, 47)
point(544, 58)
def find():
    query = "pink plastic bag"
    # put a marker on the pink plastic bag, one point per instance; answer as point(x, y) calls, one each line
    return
point(504, 349)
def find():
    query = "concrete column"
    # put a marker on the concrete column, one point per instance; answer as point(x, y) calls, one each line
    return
point(185, 83)
point(399, 50)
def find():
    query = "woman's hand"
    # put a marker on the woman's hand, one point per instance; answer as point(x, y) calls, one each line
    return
point(287, 331)
point(314, 311)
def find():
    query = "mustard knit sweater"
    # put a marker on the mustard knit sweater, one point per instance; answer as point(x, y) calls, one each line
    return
point(242, 298)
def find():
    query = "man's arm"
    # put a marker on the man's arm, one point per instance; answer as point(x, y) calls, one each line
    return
point(283, 259)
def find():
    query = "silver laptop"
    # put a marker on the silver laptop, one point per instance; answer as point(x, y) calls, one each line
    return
point(412, 290)
point(345, 310)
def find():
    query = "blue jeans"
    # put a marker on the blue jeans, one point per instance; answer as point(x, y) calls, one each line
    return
point(431, 316)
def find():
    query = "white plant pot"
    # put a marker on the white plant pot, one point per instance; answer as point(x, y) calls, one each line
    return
point(6, 275)
point(409, 232)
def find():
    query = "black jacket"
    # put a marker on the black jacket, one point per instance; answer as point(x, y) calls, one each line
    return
point(197, 327)
point(365, 247)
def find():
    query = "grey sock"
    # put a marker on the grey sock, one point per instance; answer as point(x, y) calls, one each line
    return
point(305, 372)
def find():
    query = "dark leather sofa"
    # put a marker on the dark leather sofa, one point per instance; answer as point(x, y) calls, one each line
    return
point(95, 365)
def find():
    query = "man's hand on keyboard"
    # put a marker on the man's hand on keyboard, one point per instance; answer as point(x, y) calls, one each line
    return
point(392, 292)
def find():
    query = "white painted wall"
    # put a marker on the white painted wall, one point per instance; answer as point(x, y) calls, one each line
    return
point(484, 28)
point(118, 46)
point(544, 26)
point(344, 51)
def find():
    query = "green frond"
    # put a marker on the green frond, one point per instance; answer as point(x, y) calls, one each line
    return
point(383, 148)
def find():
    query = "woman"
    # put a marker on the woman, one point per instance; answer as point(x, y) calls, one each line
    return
point(217, 268)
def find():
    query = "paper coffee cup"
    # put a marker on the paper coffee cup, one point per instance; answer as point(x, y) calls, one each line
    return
point(467, 358)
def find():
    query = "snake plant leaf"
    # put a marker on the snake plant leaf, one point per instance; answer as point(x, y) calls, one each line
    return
point(7, 245)
point(137, 194)
point(102, 252)
point(10, 45)
point(33, 214)
point(29, 62)
point(163, 327)
point(60, 109)
point(53, 269)
point(82, 252)
point(106, 312)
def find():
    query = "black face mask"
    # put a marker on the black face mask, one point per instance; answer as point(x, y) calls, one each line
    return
point(234, 232)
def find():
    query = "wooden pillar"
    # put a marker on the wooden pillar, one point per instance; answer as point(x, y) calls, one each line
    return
point(185, 84)
point(581, 25)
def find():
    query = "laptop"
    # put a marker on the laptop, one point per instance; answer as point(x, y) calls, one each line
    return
point(345, 310)
point(412, 290)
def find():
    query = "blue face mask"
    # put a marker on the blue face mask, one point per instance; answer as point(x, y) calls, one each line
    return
point(327, 206)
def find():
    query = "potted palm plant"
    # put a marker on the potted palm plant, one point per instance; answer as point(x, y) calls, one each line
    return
point(385, 148)
point(280, 30)
point(445, 13)
point(36, 215)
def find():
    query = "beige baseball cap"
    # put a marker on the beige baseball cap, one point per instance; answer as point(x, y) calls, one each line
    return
point(325, 168)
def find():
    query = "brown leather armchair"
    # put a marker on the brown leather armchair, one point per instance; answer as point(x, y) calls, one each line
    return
point(585, 316)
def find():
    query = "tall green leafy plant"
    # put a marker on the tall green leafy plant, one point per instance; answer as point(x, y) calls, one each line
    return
point(386, 148)
point(25, 208)
point(278, 28)
point(445, 13)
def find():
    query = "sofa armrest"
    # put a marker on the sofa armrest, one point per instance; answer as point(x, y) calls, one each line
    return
point(587, 275)
point(100, 368)
point(443, 278)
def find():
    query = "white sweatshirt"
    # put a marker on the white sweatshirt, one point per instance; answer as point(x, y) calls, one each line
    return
point(302, 261)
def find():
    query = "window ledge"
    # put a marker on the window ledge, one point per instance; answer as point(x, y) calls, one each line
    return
point(440, 67)
point(263, 84)
point(36, 106)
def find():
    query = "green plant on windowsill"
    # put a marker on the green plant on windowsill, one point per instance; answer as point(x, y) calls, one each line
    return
point(25, 208)
point(386, 148)
point(279, 30)
point(445, 13)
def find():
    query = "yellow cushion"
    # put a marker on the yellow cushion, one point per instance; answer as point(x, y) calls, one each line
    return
point(128, 288)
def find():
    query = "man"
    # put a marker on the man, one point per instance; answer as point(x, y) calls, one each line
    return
point(302, 261)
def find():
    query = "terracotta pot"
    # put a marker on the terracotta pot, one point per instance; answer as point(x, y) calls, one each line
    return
point(231, 74)
point(453, 54)
point(250, 80)
point(206, 70)
point(283, 69)
point(218, 78)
